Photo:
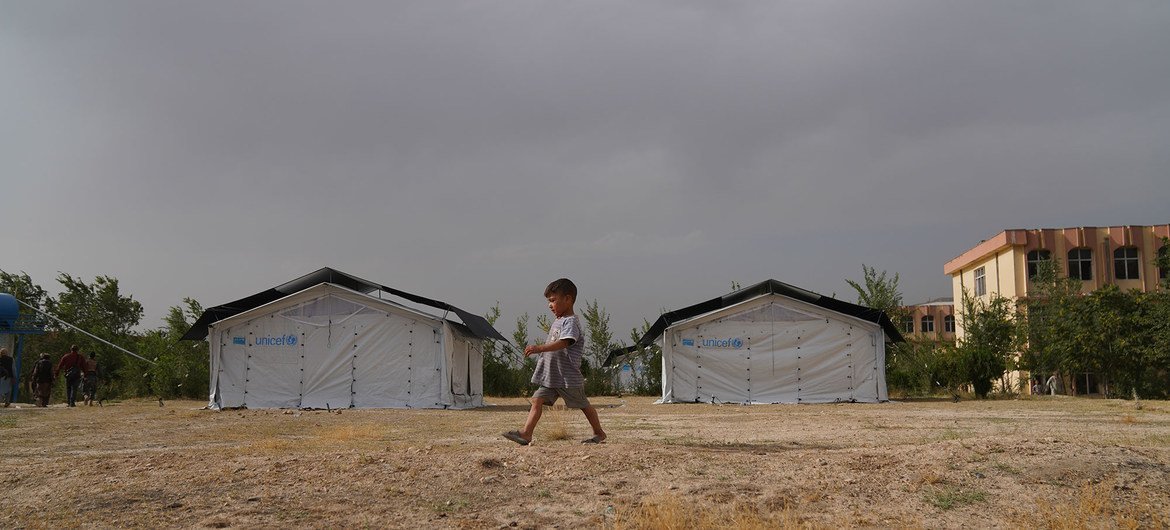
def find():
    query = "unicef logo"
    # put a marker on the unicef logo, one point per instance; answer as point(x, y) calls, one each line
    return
point(283, 340)
point(731, 344)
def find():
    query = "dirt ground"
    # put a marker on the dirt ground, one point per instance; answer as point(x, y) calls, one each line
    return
point(1051, 462)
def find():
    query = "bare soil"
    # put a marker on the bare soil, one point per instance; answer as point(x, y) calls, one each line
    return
point(1041, 462)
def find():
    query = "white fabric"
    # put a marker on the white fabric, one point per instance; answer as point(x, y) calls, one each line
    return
point(331, 347)
point(773, 349)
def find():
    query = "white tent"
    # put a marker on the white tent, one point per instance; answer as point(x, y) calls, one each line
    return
point(329, 346)
point(772, 343)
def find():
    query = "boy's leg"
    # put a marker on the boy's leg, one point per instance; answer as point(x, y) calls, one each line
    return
point(594, 421)
point(533, 417)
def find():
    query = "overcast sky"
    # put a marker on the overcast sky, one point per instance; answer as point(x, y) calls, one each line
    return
point(653, 152)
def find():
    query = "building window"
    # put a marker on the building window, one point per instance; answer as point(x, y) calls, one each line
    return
point(1036, 257)
point(1162, 258)
point(927, 324)
point(980, 282)
point(1125, 263)
point(908, 324)
point(1080, 264)
point(949, 324)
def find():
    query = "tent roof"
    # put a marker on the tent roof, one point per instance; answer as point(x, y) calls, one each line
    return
point(477, 325)
point(760, 289)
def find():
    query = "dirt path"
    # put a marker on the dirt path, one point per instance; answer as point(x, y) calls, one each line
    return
point(1046, 462)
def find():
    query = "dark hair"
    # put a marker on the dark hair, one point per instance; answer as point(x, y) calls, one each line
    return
point(561, 286)
point(73, 348)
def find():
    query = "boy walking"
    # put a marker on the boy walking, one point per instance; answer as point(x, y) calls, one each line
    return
point(558, 367)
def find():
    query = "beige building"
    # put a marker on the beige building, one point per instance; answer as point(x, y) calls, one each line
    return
point(931, 320)
point(1005, 264)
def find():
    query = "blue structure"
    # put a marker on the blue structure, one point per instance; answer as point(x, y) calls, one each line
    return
point(13, 323)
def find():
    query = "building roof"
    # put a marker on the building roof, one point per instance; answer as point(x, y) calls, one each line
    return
point(478, 325)
point(945, 300)
point(760, 289)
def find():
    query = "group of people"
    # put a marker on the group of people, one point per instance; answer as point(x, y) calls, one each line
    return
point(81, 373)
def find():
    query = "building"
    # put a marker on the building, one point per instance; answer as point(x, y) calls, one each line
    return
point(930, 320)
point(1006, 264)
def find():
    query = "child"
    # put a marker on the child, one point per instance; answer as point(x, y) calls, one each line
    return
point(558, 369)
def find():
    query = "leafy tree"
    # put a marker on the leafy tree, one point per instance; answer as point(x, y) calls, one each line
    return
point(1149, 374)
point(879, 291)
point(23, 288)
point(499, 365)
point(101, 309)
point(180, 368)
point(646, 364)
point(903, 360)
point(1052, 322)
point(597, 347)
point(985, 351)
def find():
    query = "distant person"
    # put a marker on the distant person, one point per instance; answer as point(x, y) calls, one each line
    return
point(42, 380)
point(558, 368)
point(7, 377)
point(89, 380)
point(1053, 385)
point(71, 364)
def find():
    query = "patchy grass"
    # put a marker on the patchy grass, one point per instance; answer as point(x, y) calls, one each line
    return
point(1094, 506)
point(668, 512)
point(138, 465)
point(953, 496)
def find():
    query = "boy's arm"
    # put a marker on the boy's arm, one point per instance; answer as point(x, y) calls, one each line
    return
point(534, 349)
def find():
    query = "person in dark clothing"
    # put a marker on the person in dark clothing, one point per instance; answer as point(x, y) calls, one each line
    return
point(42, 380)
point(7, 377)
point(89, 380)
point(72, 364)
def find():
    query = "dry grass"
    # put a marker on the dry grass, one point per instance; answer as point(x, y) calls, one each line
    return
point(669, 512)
point(1094, 507)
point(1129, 419)
point(1002, 464)
point(553, 424)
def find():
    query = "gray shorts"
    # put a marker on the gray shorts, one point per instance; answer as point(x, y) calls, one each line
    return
point(574, 397)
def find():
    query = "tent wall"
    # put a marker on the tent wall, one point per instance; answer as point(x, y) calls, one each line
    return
point(330, 347)
point(774, 349)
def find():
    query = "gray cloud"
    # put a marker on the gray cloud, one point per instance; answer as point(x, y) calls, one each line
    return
point(655, 151)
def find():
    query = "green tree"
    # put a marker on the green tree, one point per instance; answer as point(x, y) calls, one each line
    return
point(181, 368)
point(22, 287)
point(1052, 321)
point(1149, 374)
point(903, 360)
point(988, 344)
point(101, 309)
point(645, 363)
point(598, 379)
point(879, 291)
point(498, 365)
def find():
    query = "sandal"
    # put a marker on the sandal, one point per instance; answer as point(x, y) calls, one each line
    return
point(593, 440)
point(515, 437)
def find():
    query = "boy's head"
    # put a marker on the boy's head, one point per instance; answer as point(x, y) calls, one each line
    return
point(561, 286)
point(561, 295)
